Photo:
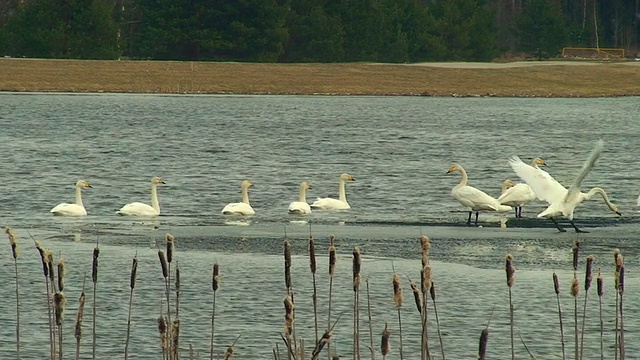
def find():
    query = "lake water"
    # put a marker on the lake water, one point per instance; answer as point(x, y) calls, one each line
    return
point(397, 148)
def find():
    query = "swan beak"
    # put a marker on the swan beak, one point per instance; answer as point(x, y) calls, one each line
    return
point(618, 212)
point(89, 186)
point(449, 171)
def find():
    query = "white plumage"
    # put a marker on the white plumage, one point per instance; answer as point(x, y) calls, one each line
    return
point(301, 206)
point(142, 209)
point(75, 209)
point(335, 204)
point(241, 208)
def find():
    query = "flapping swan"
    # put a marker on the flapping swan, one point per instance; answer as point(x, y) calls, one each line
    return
point(241, 208)
point(517, 195)
point(76, 209)
point(301, 206)
point(142, 209)
point(472, 198)
point(562, 202)
point(335, 204)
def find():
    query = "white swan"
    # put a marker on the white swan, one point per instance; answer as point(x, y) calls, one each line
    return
point(301, 206)
point(335, 204)
point(76, 209)
point(142, 209)
point(562, 202)
point(517, 195)
point(472, 198)
point(241, 208)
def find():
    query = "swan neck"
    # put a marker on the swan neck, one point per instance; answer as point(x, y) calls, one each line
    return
point(303, 195)
point(597, 190)
point(78, 196)
point(341, 192)
point(464, 180)
point(154, 198)
point(245, 195)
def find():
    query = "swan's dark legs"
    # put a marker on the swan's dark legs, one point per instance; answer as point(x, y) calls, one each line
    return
point(516, 208)
point(520, 211)
point(558, 225)
point(575, 227)
point(469, 220)
point(476, 218)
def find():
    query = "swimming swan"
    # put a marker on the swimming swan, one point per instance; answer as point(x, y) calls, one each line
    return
point(76, 209)
point(301, 206)
point(241, 208)
point(335, 204)
point(476, 200)
point(517, 195)
point(562, 202)
point(142, 209)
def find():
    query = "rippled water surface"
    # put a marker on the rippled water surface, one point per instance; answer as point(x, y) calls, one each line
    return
point(397, 148)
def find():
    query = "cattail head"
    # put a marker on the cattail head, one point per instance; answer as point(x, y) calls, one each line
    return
point(61, 273)
point(575, 286)
point(482, 349)
point(177, 283)
point(621, 281)
point(162, 330)
point(12, 241)
point(556, 284)
point(43, 258)
point(397, 291)
point(385, 347)
point(215, 282)
point(59, 302)
point(425, 279)
point(600, 283)
point(287, 264)
point(619, 262)
point(432, 291)
point(94, 265)
point(312, 255)
point(357, 263)
point(426, 247)
point(49, 257)
point(324, 340)
point(588, 275)
point(332, 259)
point(134, 272)
point(80, 316)
point(228, 355)
point(170, 247)
point(163, 263)
point(575, 250)
point(511, 271)
point(417, 296)
point(288, 316)
point(175, 336)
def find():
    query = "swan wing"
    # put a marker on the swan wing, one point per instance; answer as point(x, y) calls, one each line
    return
point(330, 204)
point(586, 167)
point(478, 200)
point(519, 194)
point(238, 209)
point(66, 209)
point(299, 207)
point(543, 185)
point(137, 209)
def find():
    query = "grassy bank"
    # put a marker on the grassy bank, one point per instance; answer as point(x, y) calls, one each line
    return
point(533, 78)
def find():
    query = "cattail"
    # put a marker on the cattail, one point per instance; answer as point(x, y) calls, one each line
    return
point(163, 264)
point(425, 279)
point(357, 263)
point(621, 280)
point(482, 349)
point(510, 270)
point(314, 297)
point(426, 247)
point(397, 291)
point(132, 285)
point(12, 241)
point(312, 255)
point(600, 287)
point(80, 316)
point(416, 296)
point(324, 340)
point(332, 270)
point(385, 347)
point(61, 273)
point(600, 283)
point(170, 247)
point(49, 255)
point(332, 257)
point(177, 283)
point(59, 302)
point(229, 354)
point(288, 316)
point(556, 284)
point(162, 330)
point(556, 288)
point(287, 264)
point(432, 291)
point(94, 279)
point(94, 265)
point(134, 271)
point(175, 336)
point(575, 286)
point(215, 282)
point(575, 249)
point(588, 276)
point(43, 258)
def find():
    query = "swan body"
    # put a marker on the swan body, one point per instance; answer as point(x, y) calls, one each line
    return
point(335, 204)
point(142, 209)
point(472, 198)
point(241, 208)
point(75, 209)
point(562, 201)
point(517, 195)
point(301, 206)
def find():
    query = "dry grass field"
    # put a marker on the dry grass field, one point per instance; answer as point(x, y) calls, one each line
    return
point(530, 78)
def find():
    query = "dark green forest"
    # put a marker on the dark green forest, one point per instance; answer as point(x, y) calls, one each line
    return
point(314, 30)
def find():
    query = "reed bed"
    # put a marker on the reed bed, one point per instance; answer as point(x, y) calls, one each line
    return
point(169, 328)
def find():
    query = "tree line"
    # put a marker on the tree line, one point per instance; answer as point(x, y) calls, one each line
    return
point(313, 30)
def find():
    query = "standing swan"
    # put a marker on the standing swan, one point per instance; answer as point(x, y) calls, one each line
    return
point(301, 206)
point(517, 195)
point(335, 204)
point(241, 208)
point(142, 209)
point(476, 200)
point(76, 209)
point(562, 202)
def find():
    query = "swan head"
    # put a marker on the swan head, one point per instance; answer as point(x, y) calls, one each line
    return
point(614, 208)
point(305, 185)
point(246, 184)
point(508, 184)
point(82, 184)
point(346, 177)
point(156, 180)
point(538, 162)
point(454, 167)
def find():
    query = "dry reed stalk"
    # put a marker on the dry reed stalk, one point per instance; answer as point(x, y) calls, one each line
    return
point(621, 291)
point(397, 299)
point(287, 267)
point(575, 290)
point(588, 278)
point(132, 285)
point(288, 325)
point(432, 292)
point(482, 347)
point(324, 340)
point(177, 285)
point(510, 270)
point(531, 356)
point(385, 345)
point(175, 337)
point(170, 247)
point(426, 286)
point(162, 331)
point(45, 271)
point(373, 353)
point(425, 247)
point(164, 266)
point(215, 283)
point(575, 249)
point(79, 319)
point(600, 287)
point(556, 288)
point(94, 279)
point(229, 353)
point(332, 270)
point(59, 302)
point(314, 298)
point(356, 265)
point(14, 252)
point(616, 278)
point(52, 286)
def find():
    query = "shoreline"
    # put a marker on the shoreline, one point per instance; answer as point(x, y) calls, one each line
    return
point(568, 79)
